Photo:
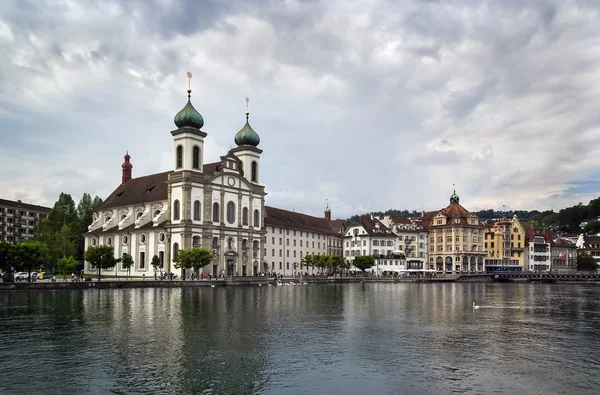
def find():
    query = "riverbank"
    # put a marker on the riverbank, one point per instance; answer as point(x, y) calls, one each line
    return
point(265, 281)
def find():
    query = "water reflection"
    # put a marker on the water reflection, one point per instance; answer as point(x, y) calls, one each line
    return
point(353, 339)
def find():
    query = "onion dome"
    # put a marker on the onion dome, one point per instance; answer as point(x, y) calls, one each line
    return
point(327, 209)
point(247, 135)
point(127, 164)
point(454, 198)
point(189, 116)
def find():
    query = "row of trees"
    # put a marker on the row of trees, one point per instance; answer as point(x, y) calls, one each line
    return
point(335, 263)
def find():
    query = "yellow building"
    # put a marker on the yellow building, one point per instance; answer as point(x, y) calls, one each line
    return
point(455, 239)
point(505, 246)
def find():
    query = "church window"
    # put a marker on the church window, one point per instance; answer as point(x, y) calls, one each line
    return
point(245, 216)
point(196, 157)
point(254, 171)
point(139, 215)
point(142, 260)
point(107, 220)
point(196, 241)
point(197, 210)
point(123, 217)
point(161, 237)
point(230, 212)
point(161, 258)
point(175, 251)
point(215, 212)
point(176, 210)
point(255, 245)
point(215, 242)
point(156, 213)
point(256, 219)
point(179, 156)
point(109, 241)
point(142, 238)
point(125, 240)
point(94, 241)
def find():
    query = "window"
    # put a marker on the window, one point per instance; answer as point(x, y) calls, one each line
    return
point(161, 258)
point(273, 252)
point(215, 242)
point(179, 163)
point(215, 212)
point(245, 216)
point(230, 212)
point(196, 241)
point(196, 157)
point(109, 241)
point(256, 219)
point(142, 260)
point(197, 210)
point(254, 171)
point(142, 238)
point(125, 240)
point(272, 240)
point(280, 243)
point(176, 210)
point(175, 251)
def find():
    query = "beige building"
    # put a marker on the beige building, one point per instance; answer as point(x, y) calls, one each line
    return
point(290, 236)
point(18, 220)
point(455, 239)
point(505, 246)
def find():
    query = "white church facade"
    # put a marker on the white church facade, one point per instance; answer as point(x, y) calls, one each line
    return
point(219, 206)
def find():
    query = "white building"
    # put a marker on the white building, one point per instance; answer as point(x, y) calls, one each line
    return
point(219, 206)
point(411, 239)
point(537, 247)
point(290, 236)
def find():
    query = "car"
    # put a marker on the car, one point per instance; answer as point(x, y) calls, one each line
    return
point(21, 276)
point(44, 276)
point(34, 275)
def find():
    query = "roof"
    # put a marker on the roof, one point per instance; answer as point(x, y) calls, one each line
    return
point(589, 240)
point(452, 211)
point(562, 243)
point(337, 225)
point(138, 190)
point(401, 220)
point(20, 204)
point(373, 227)
point(291, 219)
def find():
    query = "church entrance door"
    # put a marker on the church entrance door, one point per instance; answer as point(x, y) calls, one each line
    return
point(230, 267)
point(215, 271)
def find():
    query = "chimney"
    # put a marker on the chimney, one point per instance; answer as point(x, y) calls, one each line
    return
point(126, 166)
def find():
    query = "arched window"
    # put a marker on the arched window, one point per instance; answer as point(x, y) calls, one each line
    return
point(196, 157)
point(255, 245)
point(256, 219)
point(197, 210)
point(215, 212)
point(139, 215)
point(245, 216)
point(176, 210)
point(230, 212)
point(175, 250)
point(254, 171)
point(179, 163)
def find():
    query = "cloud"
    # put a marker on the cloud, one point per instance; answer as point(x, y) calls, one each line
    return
point(370, 104)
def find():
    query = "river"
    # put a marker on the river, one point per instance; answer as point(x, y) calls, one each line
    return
point(310, 339)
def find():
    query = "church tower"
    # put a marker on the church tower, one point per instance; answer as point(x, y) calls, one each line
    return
point(247, 141)
point(126, 168)
point(188, 138)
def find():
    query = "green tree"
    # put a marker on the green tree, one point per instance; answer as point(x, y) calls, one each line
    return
point(364, 262)
point(127, 263)
point(7, 251)
point(195, 258)
point(337, 262)
point(155, 264)
point(102, 257)
point(31, 255)
point(592, 227)
point(66, 265)
point(307, 261)
point(586, 262)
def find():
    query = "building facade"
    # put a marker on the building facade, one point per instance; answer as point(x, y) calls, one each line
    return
point(563, 255)
point(290, 236)
point(505, 246)
point(456, 239)
point(218, 206)
point(589, 245)
point(537, 250)
point(19, 221)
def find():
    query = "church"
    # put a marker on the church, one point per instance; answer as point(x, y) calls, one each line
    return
point(219, 206)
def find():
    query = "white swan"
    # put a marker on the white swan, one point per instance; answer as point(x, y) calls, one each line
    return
point(212, 285)
point(475, 306)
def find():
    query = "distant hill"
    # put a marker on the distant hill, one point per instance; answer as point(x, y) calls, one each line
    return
point(567, 220)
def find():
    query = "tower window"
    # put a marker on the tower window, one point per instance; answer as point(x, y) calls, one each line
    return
point(175, 250)
point(245, 216)
point(230, 212)
point(196, 157)
point(215, 212)
point(176, 210)
point(179, 156)
point(197, 210)
point(256, 219)
point(254, 171)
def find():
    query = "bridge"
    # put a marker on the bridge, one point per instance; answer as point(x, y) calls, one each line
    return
point(547, 277)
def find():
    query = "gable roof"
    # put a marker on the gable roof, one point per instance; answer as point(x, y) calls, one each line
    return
point(291, 219)
point(138, 190)
point(337, 225)
point(373, 226)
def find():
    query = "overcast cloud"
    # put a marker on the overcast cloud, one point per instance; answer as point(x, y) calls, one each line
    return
point(370, 104)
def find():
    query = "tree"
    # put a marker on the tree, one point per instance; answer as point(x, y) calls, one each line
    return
point(31, 255)
point(7, 251)
point(102, 257)
point(586, 262)
point(66, 265)
point(127, 263)
point(195, 258)
point(592, 227)
point(337, 261)
point(155, 264)
point(307, 261)
point(364, 262)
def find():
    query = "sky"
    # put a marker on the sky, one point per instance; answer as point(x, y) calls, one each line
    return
point(370, 104)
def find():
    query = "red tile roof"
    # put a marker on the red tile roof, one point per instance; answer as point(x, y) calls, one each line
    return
point(293, 220)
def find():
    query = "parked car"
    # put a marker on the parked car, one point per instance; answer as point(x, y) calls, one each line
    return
point(21, 276)
point(34, 276)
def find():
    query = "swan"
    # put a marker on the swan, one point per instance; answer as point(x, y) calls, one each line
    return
point(212, 285)
point(475, 306)
point(260, 285)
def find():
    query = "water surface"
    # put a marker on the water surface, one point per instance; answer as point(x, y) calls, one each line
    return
point(325, 339)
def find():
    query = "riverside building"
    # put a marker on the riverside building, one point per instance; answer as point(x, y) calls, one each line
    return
point(505, 246)
point(19, 221)
point(537, 250)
